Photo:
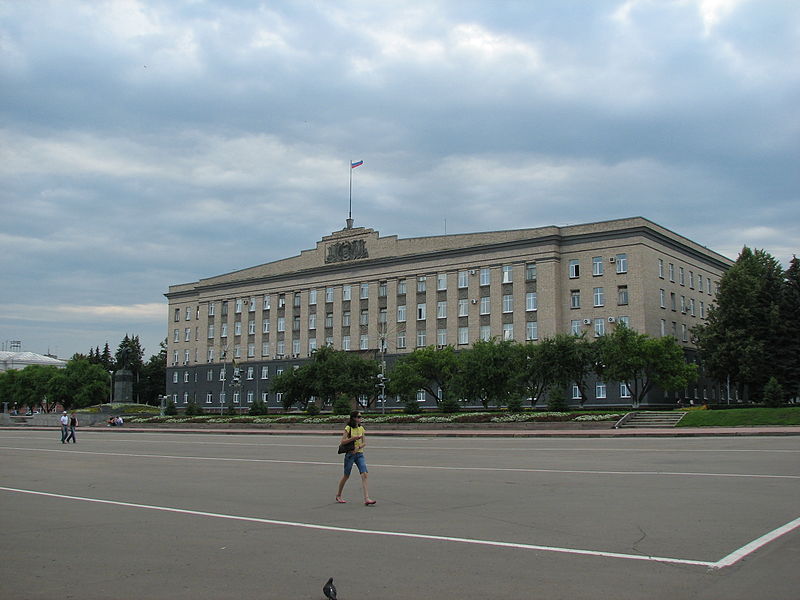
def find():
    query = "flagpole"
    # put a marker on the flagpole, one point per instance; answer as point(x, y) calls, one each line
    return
point(350, 205)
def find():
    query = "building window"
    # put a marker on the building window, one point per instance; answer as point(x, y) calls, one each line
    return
point(507, 273)
point(401, 339)
point(485, 333)
point(597, 265)
point(237, 328)
point(347, 291)
point(663, 327)
point(684, 333)
point(575, 326)
point(531, 330)
point(422, 283)
point(672, 272)
point(328, 294)
point(401, 287)
point(210, 355)
point(622, 263)
point(574, 269)
point(363, 317)
point(176, 336)
point(312, 297)
point(508, 303)
point(441, 310)
point(508, 331)
point(600, 390)
point(363, 342)
point(624, 392)
point(382, 315)
point(209, 398)
point(421, 338)
point(622, 295)
point(441, 337)
point(281, 323)
point(265, 349)
point(329, 319)
point(673, 303)
point(401, 313)
point(251, 351)
point(382, 289)
point(681, 277)
point(238, 308)
point(441, 281)
point(312, 344)
point(624, 320)
point(346, 318)
point(266, 326)
point(267, 302)
point(312, 321)
point(463, 279)
point(281, 348)
point(251, 327)
point(530, 272)
point(485, 276)
point(599, 298)
point(691, 279)
point(575, 299)
point(177, 315)
point(421, 312)
point(224, 332)
point(661, 268)
point(364, 291)
point(485, 305)
point(576, 392)
point(530, 301)
point(264, 372)
point(346, 342)
point(599, 327)
point(463, 335)
point(463, 307)
point(662, 298)
point(212, 308)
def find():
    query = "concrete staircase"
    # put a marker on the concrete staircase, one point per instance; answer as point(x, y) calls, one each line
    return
point(651, 419)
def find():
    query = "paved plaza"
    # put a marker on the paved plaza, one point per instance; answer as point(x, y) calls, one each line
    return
point(127, 514)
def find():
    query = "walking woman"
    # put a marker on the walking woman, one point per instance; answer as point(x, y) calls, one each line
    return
point(73, 423)
point(354, 432)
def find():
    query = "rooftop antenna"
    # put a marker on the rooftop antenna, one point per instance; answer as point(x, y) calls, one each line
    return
point(353, 165)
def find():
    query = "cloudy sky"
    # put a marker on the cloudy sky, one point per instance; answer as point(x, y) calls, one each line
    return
point(145, 143)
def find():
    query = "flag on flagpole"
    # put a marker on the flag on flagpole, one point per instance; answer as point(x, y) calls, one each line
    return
point(353, 165)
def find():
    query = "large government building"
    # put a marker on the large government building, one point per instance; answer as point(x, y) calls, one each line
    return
point(362, 292)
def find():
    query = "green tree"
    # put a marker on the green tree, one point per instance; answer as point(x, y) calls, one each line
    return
point(33, 383)
point(428, 369)
point(642, 362)
point(533, 367)
point(486, 372)
point(153, 377)
point(571, 359)
point(742, 334)
point(79, 384)
point(773, 393)
point(786, 360)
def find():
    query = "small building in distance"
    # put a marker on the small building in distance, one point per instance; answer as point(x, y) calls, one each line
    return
point(20, 360)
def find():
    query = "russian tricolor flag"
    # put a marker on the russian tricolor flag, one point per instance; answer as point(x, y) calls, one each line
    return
point(353, 165)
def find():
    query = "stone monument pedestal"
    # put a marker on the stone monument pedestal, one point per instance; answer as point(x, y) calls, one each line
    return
point(123, 386)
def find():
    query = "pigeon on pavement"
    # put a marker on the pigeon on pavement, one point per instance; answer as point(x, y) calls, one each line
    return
point(329, 590)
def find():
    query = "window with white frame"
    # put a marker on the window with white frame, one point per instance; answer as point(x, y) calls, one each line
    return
point(574, 269)
point(175, 377)
point(382, 315)
point(363, 342)
point(421, 338)
point(599, 298)
point(250, 397)
point(599, 327)
point(252, 307)
point(671, 269)
point(238, 308)
point(250, 373)
point(224, 332)
point(312, 321)
point(265, 328)
point(530, 272)
point(597, 265)
point(463, 279)
point(345, 318)
point(441, 337)
point(485, 333)
point(441, 309)
point(187, 334)
point(624, 320)
point(280, 347)
point(364, 291)
point(681, 276)
point(661, 268)
point(237, 328)
point(576, 392)
point(508, 331)
point(463, 307)
point(624, 392)
point(346, 342)
point(382, 289)
point(209, 398)
point(421, 312)
point(531, 330)
point(222, 374)
point(312, 344)
point(176, 335)
point(267, 302)
point(281, 323)
point(210, 355)
point(296, 347)
point(264, 372)
point(347, 292)
point(401, 287)
point(622, 295)
point(463, 335)
point(312, 297)
point(328, 294)
point(507, 273)
point(622, 263)
point(575, 327)
point(663, 327)
point(531, 302)
point(251, 350)
point(401, 313)
point(212, 308)
point(485, 276)
point(441, 281)
point(485, 305)
point(662, 298)
point(600, 390)
point(363, 317)
point(422, 283)
point(251, 327)
point(237, 351)
point(691, 279)
point(401, 339)
point(297, 299)
point(508, 303)
point(575, 299)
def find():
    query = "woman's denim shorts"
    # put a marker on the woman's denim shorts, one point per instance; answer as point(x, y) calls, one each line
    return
point(354, 457)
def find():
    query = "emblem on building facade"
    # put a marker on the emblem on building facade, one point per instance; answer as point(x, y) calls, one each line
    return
point(343, 251)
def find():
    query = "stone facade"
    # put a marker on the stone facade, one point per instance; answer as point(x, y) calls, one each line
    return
point(359, 291)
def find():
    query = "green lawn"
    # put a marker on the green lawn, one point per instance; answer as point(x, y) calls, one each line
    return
point(742, 417)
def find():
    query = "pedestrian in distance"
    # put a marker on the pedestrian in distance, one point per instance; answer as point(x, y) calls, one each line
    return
point(73, 423)
point(64, 427)
point(354, 432)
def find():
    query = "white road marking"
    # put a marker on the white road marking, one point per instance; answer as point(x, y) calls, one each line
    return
point(765, 539)
point(423, 467)
point(419, 536)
